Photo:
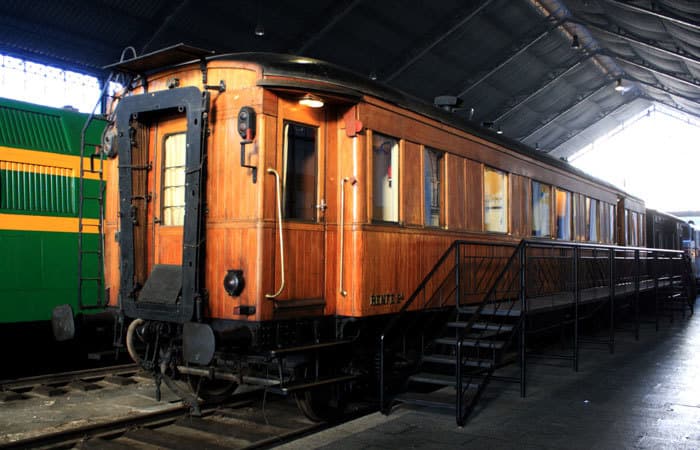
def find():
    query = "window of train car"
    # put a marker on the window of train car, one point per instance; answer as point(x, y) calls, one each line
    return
point(433, 186)
point(626, 228)
point(385, 178)
point(633, 231)
point(563, 209)
point(604, 219)
point(495, 200)
point(592, 220)
point(300, 172)
point(541, 209)
point(174, 179)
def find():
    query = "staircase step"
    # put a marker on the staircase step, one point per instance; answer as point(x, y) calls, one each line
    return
point(476, 343)
point(450, 360)
point(504, 328)
point(502, 310)
point(431, 400)
point(440, 380)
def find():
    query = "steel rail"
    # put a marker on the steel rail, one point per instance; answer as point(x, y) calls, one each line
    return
point(65, 377)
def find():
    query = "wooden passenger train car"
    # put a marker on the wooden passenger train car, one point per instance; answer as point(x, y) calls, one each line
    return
point(667, 231)
point(41, 188)
point(262, 204)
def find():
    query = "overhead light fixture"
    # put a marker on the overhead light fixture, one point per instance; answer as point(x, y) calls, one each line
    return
point(499, 130)
point(311, 101)
point(575, 44)
point(618, 86)
point(259, 29)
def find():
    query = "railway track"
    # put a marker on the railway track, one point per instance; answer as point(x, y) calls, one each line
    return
point(247, 420)
point(55, 384)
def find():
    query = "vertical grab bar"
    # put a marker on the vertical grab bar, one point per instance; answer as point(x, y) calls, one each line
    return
point(279, 221)
point(352, 181)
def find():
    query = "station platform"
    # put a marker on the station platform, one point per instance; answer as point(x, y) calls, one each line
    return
point(645, 395)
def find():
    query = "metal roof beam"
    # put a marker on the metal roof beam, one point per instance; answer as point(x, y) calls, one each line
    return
point(506, 61)
point(175, 10)
point(566, 111)
point(649, 12)
point(669, 93)
point(542, 88)
point(672, 105)
point(431, 42)
point(340, 12)
point(648, 46)
point(660, 72)
point(571, 135)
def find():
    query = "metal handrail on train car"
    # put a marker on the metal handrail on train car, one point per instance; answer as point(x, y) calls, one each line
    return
point(279, 221)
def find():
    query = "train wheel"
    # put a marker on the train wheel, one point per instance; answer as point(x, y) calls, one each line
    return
point(211, 390)
point(322, 404)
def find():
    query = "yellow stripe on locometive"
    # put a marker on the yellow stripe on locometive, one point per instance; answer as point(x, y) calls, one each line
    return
point(37, 160)
point(22, 222)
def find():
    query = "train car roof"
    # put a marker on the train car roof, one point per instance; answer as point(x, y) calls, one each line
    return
point(666, 215)
point(286, 65)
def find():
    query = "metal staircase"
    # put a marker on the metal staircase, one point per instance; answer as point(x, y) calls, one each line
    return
point(489, 291)
point(482, 289)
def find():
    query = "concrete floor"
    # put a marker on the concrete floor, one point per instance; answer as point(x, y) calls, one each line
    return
point(646, 395)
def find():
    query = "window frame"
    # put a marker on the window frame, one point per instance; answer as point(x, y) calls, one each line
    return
point(317, 172)
point(441, 172)
point(549, 206)
point(589, 201)
point(163, 186)
point(395, 178)
point(570, 197)
point(506, 200)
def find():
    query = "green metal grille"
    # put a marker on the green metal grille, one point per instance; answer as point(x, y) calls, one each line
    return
point(33, 189)
point(31, 130)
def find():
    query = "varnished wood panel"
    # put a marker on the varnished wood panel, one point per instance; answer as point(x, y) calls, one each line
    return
point(519, 206)
point(475, 195)
point(457, 206)
point(413, 252)
point(412, 184)
point(578, 220)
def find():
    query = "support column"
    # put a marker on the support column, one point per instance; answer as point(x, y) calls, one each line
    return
point(523, 319)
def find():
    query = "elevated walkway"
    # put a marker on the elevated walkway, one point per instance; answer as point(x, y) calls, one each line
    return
point(643, 396)
point(493, 292)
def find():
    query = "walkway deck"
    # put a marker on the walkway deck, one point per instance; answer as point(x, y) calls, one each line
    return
point(646, 395)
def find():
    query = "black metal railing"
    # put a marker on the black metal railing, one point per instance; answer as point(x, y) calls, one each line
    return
point(499, 284)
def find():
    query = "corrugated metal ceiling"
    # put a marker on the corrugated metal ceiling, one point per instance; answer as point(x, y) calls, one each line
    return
point(512, 61)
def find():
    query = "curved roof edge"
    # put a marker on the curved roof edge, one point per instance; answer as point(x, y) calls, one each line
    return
point(317, 70)
point(313, 69)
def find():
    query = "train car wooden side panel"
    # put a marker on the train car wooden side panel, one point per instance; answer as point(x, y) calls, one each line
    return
point(313, 152)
